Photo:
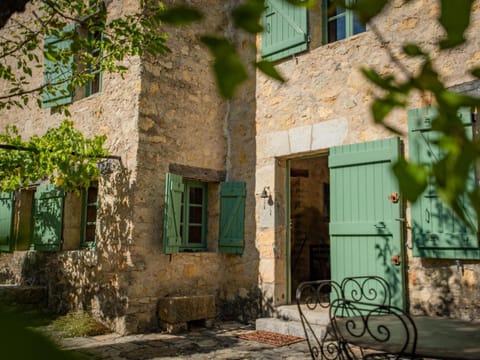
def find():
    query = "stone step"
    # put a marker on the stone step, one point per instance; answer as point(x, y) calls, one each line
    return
point(286, 327)
point(287, 321)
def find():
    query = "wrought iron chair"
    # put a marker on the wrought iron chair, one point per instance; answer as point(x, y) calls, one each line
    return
point(313, 296)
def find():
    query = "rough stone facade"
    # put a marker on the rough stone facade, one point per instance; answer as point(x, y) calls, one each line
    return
point(166, 115)
point(165, 112)
point(325, 103)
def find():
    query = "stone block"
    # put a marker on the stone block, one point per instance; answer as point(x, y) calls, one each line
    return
point(300, 139)
point(329, 133)
point(175, 312)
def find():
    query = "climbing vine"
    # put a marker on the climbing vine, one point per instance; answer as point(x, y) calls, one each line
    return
point(63, 156)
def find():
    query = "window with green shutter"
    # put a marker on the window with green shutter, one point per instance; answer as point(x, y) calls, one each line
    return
point(285, 30)
point(185, 220)
point(232, 217)
point(47, 218)
point(436, 231)
point(58, 63)
point(7, 201)
point(339, 23)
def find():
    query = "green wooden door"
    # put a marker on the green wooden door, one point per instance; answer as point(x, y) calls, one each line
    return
point(365, 225)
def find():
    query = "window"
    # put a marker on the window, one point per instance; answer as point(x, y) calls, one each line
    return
point(59, 64)
point(93, 85)
point(89, 216)
point(339, 23)
point(289, 30)
point(193, 216)
point(436, 230)
point(185, 220)
point(46, 218)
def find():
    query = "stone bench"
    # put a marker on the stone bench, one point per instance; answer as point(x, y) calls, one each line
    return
point(174, 313)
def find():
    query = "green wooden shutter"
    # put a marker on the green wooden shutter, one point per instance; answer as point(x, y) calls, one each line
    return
point(48, 218)
point(365, 231)
point(6, 220)
point(232, 217)
point(174, 190)
point(436, 230)
point(58, 71)
point(284, 30)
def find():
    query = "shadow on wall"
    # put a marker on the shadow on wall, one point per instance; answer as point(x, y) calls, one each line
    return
point(446, 288)
point(96, 280)
point(245, 308)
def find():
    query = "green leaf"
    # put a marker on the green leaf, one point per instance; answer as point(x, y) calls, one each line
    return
point(268, 68)
point(455, 19)
point(413, 50)
point(377, 79)
point(228, 68)
point(412, 178)
point(381, 107)
point(180, 15)
point(303, 3)
point(247, 16)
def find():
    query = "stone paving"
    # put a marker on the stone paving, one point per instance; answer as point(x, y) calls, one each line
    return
point(219, 342)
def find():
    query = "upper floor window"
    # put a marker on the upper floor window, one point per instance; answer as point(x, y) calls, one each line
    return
point(289, 30)
point(339, 23)
point(60, 63)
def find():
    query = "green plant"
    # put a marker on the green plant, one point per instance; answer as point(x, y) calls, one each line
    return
point(76, 324)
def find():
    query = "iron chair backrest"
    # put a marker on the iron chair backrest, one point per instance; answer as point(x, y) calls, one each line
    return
point(313, 296)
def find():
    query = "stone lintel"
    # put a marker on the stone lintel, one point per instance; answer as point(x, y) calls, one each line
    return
point(198, 173)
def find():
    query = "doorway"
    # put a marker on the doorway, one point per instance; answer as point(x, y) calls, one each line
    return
point(309, 193)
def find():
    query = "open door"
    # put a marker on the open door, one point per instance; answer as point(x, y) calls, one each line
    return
point(366, 214)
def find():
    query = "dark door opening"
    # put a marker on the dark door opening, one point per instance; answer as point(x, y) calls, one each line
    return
point(309, 220)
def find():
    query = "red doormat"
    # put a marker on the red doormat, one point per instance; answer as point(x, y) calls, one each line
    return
point(271, 338)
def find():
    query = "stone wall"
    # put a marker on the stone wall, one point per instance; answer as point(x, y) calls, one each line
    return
point(93, 280)
point(184, 122)
point(324, 103)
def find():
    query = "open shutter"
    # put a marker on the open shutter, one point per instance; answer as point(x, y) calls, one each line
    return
point(47, 218)
point(365, 231)
point(436, 231)
point(58, 73)
point(174, 189)
point(284, 29)
point(6, 220)
point(232, 217)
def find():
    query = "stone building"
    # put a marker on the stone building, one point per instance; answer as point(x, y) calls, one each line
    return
point(285, 183)
point(107, 252)
point(336, 208)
